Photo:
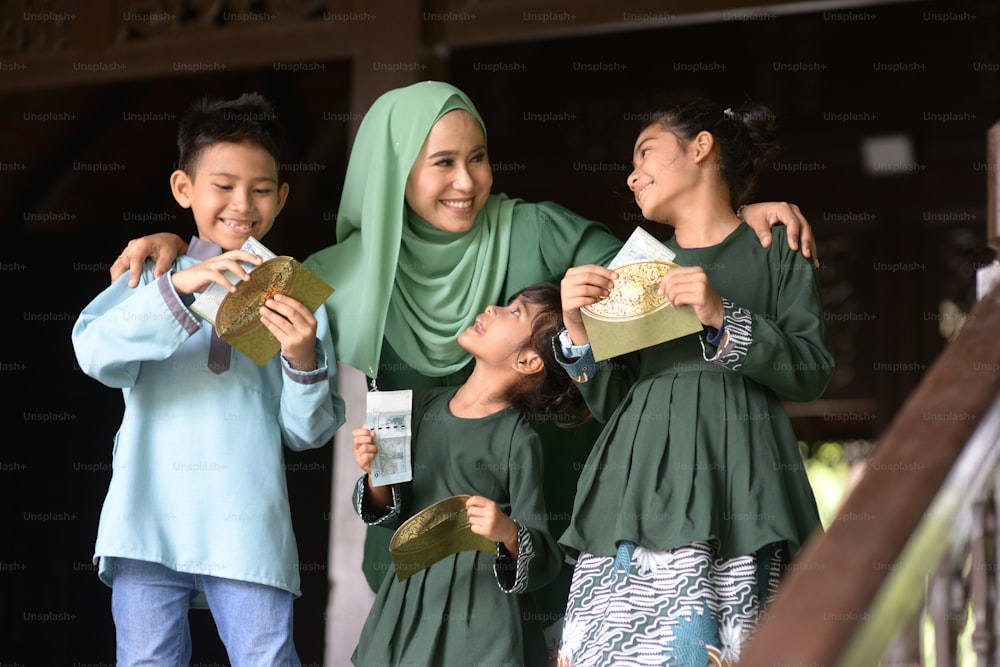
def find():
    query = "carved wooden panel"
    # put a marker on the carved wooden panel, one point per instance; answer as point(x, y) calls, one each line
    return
point(67, 42)
point(137, 20)
point(37, 26)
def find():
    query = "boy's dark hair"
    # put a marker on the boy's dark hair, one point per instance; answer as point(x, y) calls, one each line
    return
point(249, 117)
point(746, 136)
point(550, 394)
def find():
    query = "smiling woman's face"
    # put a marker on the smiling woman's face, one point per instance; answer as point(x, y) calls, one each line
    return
point(451, 177)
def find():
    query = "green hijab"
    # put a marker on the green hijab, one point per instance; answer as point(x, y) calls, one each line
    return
point(395, 275)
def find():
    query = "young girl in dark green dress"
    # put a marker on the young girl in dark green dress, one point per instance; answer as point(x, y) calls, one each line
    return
point(695, 495)
point(475, 439)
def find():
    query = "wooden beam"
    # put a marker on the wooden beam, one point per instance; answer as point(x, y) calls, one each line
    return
point(386, 53)
point(461, 23)
point(289, 45)
point(829, 592)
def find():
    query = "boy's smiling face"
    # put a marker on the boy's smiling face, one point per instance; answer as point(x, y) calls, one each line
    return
point(233, 193)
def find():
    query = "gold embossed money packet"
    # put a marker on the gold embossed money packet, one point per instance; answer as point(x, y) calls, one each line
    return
point(634, 316)
point(433, 533)
point(238, 320)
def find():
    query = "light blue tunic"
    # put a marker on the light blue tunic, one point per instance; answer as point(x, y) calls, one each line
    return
point(198, 481)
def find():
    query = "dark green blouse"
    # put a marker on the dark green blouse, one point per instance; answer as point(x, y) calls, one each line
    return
point(547, 239)
point(698, 449)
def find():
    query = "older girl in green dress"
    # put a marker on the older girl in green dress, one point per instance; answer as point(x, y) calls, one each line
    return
point(695, 496)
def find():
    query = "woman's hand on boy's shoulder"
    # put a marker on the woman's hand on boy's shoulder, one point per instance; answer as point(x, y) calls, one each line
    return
point(163, 248)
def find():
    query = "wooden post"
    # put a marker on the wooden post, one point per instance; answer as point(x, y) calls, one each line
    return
point(993, 188)
point(989, 276)
point(388, 56)
point(387, 53)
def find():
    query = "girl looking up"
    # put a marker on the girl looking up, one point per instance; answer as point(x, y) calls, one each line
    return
point(475, 439)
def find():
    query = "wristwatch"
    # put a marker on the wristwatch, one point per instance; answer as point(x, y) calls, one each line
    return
point(569, 350)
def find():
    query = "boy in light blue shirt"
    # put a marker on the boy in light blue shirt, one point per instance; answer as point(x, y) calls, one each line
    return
point(197, 510)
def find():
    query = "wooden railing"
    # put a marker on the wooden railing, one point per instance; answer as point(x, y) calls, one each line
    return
point(918, 532)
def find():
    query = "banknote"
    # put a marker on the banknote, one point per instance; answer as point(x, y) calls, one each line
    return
point(388, 414)
point(641, 246)
point(208, 302)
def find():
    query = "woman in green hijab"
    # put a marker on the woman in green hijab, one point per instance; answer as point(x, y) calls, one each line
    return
point(417, 199)
point(423, 246)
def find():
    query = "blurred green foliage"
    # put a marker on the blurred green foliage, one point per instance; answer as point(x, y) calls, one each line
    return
point(828, 465)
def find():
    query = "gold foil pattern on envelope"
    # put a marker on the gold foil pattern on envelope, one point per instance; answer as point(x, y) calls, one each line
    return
point(238, 319)
point(635, 292)
point(634, 315)
point(433, 533)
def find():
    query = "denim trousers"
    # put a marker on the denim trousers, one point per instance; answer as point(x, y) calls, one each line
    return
point(150, 602)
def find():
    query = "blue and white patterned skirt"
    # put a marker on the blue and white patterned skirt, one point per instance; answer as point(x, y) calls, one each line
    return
point(682, 606)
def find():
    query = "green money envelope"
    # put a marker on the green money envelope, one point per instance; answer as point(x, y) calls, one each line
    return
point(433, 533)
point(238, 320)
point(634, 316)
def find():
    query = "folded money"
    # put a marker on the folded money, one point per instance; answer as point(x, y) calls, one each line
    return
point(641, 246)
point(388, 415)
point(207, 303)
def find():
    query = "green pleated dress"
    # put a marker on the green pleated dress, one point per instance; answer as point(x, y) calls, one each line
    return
point(550, 239)
point(697, 466)
point(455, 611)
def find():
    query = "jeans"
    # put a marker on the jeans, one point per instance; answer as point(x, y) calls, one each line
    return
point(150, 602)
